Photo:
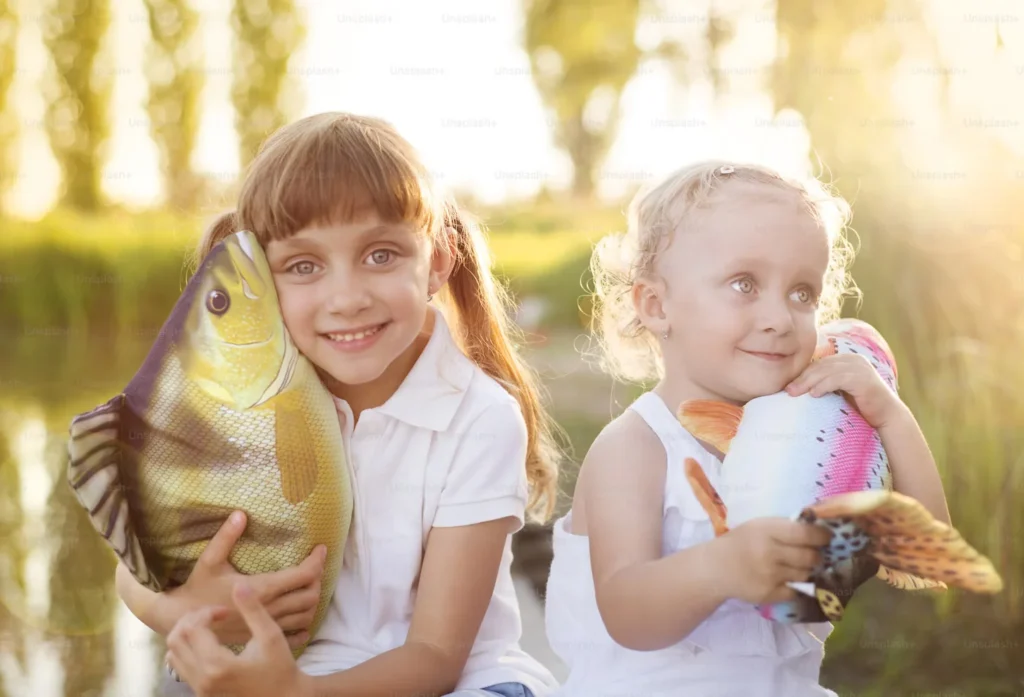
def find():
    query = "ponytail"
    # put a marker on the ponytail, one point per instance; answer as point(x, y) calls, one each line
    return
point(484, 330)
point(221, 228)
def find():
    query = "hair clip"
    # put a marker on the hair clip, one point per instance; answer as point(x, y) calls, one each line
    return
point(726, 169)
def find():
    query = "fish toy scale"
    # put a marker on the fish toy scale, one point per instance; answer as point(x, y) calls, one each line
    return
point(816, 459)
point(224, 414)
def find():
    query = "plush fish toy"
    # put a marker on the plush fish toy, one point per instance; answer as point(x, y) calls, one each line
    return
point(224, 414)
point(816, 459)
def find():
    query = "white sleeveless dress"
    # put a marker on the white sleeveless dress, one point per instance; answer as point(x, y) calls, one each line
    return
point(733, 652)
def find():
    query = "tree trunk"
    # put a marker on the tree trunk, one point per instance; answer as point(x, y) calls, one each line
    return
point(78, 97)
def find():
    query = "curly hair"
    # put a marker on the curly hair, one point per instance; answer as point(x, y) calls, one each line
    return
point(629, 351)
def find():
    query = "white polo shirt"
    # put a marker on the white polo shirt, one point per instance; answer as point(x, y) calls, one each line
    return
point(447, 449)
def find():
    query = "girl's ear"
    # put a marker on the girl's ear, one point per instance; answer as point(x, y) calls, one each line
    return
point(442, 261)
point(648, 294)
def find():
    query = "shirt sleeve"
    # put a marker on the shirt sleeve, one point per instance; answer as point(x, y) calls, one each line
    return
point(487, 479)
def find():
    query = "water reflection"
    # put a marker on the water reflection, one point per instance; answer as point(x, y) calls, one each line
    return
point(63, 631)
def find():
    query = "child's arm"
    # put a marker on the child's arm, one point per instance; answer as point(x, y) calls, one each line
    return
point(647, 601)
point(457, 577)
point(291, 594)
point(913, 467)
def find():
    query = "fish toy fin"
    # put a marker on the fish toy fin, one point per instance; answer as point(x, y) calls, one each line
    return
point(296, 453)
point(711, 421)
point(95, 452)
point(829, 347)
point(708, 497)
point(829, 604)
point(907, 539)
point(905, 581)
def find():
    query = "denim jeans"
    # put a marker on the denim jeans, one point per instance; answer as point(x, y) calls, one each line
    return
point(505, 689)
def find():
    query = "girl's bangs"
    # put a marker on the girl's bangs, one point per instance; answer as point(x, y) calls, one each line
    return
point(336, 173)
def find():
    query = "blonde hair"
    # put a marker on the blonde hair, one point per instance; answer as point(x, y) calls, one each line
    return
point(629, 350)
point(330, 167)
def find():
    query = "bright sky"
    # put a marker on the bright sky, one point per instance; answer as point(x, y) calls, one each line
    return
point(453, 78)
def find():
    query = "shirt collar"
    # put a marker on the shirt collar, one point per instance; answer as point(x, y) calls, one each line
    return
point(433, 390)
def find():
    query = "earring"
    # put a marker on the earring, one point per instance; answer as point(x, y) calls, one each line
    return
point(430, 296)
point(664, 334)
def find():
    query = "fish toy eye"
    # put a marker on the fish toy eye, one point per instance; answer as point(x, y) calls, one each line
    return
point(217, 302)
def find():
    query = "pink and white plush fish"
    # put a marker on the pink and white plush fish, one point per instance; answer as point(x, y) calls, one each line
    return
point(817, 459)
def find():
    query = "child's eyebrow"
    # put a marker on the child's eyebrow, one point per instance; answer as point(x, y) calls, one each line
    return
point(383, 230)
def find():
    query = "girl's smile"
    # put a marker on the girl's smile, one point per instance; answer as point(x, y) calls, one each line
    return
point(356, 339)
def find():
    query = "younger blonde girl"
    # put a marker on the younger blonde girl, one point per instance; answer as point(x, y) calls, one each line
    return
point(715, 292)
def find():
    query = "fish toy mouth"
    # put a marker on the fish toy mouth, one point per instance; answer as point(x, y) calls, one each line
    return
point(250, 344)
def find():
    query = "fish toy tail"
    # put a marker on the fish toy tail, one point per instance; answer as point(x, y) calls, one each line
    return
point(95, 475)
point(916, 550)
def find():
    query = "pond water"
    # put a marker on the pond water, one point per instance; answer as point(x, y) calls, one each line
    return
point(63, 630)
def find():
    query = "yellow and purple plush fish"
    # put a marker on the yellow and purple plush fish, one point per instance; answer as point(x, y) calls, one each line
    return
point(224, 414)
point(817, 459)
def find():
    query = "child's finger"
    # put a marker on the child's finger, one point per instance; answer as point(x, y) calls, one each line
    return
point(218, 549)
point(180, 657)
point(205, 648)
point(277, 583)
point(298, 639)
point(809, 377)
point(798, 560)
point(832, 383)
point(296, 602)
point(263, 627)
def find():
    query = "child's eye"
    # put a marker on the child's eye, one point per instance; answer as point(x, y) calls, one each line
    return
point(303, 268)
point(804, 295)
point(380, 256)
point(743, 285)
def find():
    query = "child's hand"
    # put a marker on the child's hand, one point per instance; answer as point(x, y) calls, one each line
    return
point(765, 553)
point(264, 667)
point(291, 595)
point(853, 374)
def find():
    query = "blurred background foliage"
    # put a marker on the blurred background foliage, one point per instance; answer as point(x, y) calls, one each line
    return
point(85, 288)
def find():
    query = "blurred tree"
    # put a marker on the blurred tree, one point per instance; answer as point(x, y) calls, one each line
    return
point(267, 34)
point(77, 97)
point(8, 118)
point(718, 34)
point(582, 55)
point(174, 68)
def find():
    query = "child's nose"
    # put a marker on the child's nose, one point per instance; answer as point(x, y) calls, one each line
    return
point(775, 316)
point(347, 294)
